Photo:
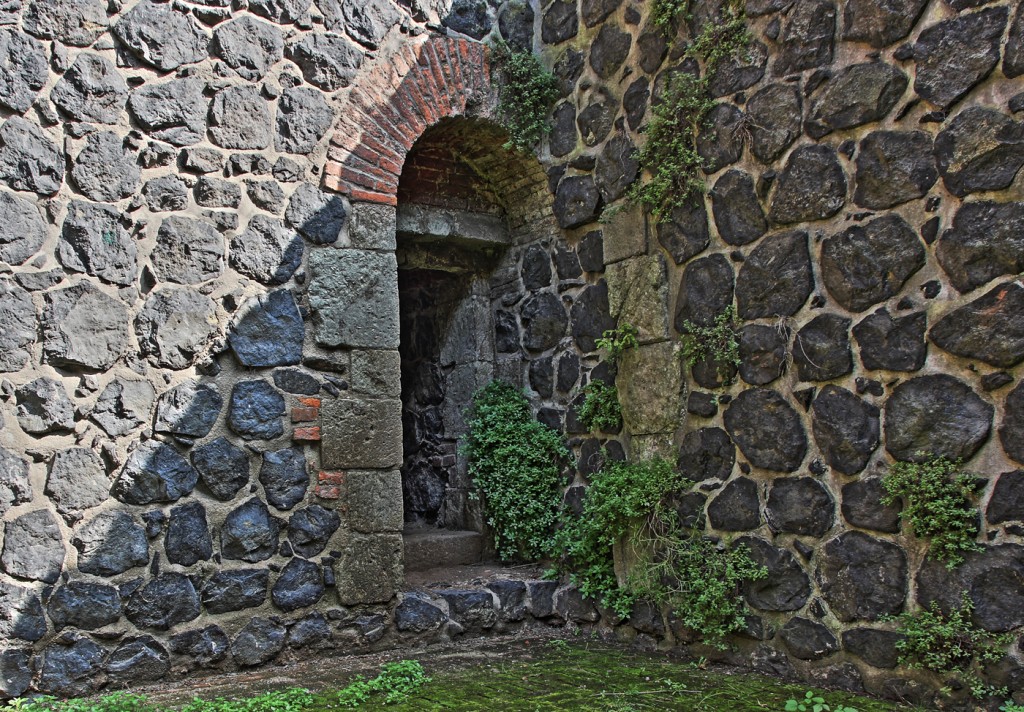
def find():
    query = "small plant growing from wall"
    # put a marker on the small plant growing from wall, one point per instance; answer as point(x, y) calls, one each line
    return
point(601, 409)
point(526, 92)
point(670, 153)
point(950, 644)
point(937, 502)
point(716, 344)
point(628, 504)
point(516, 463)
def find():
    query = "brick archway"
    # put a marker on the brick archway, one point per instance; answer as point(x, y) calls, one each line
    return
point(394, 103)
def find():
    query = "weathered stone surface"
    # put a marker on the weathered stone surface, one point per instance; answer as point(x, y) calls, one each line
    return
point(223, 467)
point(1011, 432)
point(535, 270)
point(283, 476)
point(110, 543)
point(15, 487)
point(164, 194)
point(255, 410)
point(638, 295)
point(21, 613)
point(989, 329)
point(258, 642)
point(472, 609)
point(875, 647)
point(265, 195)
point(104, 170)
point(894, 167)
point(862, 506)
point(650, 382)
point(880, 23)
point(318, 215)
point(22, 231)
point(807, 37)
point(634, 101)
point(248, 46)
point(736, 507)
point(15, 672)
point(786, 588)
point(515, 23)
point(893, 344)
point(175, 325)
point(155, 472)
point(979, 149)
point(188, 535)
point(76, 23)
point(84, 605)
point(161, 36)
point(33, 548)
point(314, 630)
point(235, 590)
point(268, 331)
point(138, 660)
point(858, 94)
point(266, 251)
point(954, 55)
point(609, 50)
point(799, 505)
point(559, 23)
point(993, 577)
point(327, 61)
point(77, 480)
point(164, 602)
point(300, 585)
point(363, 433)
point(188, 410)
point(617, 168)
point(17, 326)
point(862, 578)
point(43, 406)
point(563, 137)
point(738, 214)
point(93, 239)
point(576, 201)
point(174, 111)
point(311, 528)
point(91, 90)
point(686, 233)
point(767, 430)
point(774, 117)
point(303, 118)
point(283, 12)
point(812, 186)
point(1007, 501)
point(70, 670)
point(372, 501)
point(205, 645)
point(808, 640)
point(187, 251)
point(369, 317)
point(217, 193)
point(370, 569)
point(763, 352)
point(240, 119)
point(24, 70)
point(416, 614)
point(985, 241)
point(821, 350)
point(720, 141)
point(369, 22)
point(775, 279)
point(705, 291)
point(935, 415)
point(29, 160)
point(845, 429)
point(738, 71)
point(249, 533)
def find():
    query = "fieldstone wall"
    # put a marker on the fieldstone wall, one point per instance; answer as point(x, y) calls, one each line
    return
point(201, 343)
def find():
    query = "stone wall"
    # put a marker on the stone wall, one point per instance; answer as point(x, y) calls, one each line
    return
point(199, 299)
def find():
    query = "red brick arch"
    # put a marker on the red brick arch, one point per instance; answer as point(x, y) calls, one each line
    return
point(393, 104)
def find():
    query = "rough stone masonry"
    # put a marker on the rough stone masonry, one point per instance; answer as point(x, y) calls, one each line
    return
point(200, 432)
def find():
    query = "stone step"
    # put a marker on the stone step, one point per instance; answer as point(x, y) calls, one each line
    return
point(433, 548)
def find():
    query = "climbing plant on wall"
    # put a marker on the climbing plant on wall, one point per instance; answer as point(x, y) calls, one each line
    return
point(526, 91)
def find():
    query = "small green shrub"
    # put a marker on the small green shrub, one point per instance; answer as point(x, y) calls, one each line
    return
point(600, 409)
point(813, 702)
point(526, 92)
point(716, 343)
point(289, 700)
point(937, 503)
point(615, 342)
point(396, 682)
point(516, 463)
point(1011, 706)
point(113, 702)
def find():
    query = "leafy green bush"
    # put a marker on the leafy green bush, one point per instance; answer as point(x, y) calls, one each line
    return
point(396, 682)
point(950, 643)
point(516, 463)
point(716, 343)
point(600, 409)
point(526, 92)
point(289, 700)
point(936, 497)
point(813, 702)
point(113, 702)
point(615, 342)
